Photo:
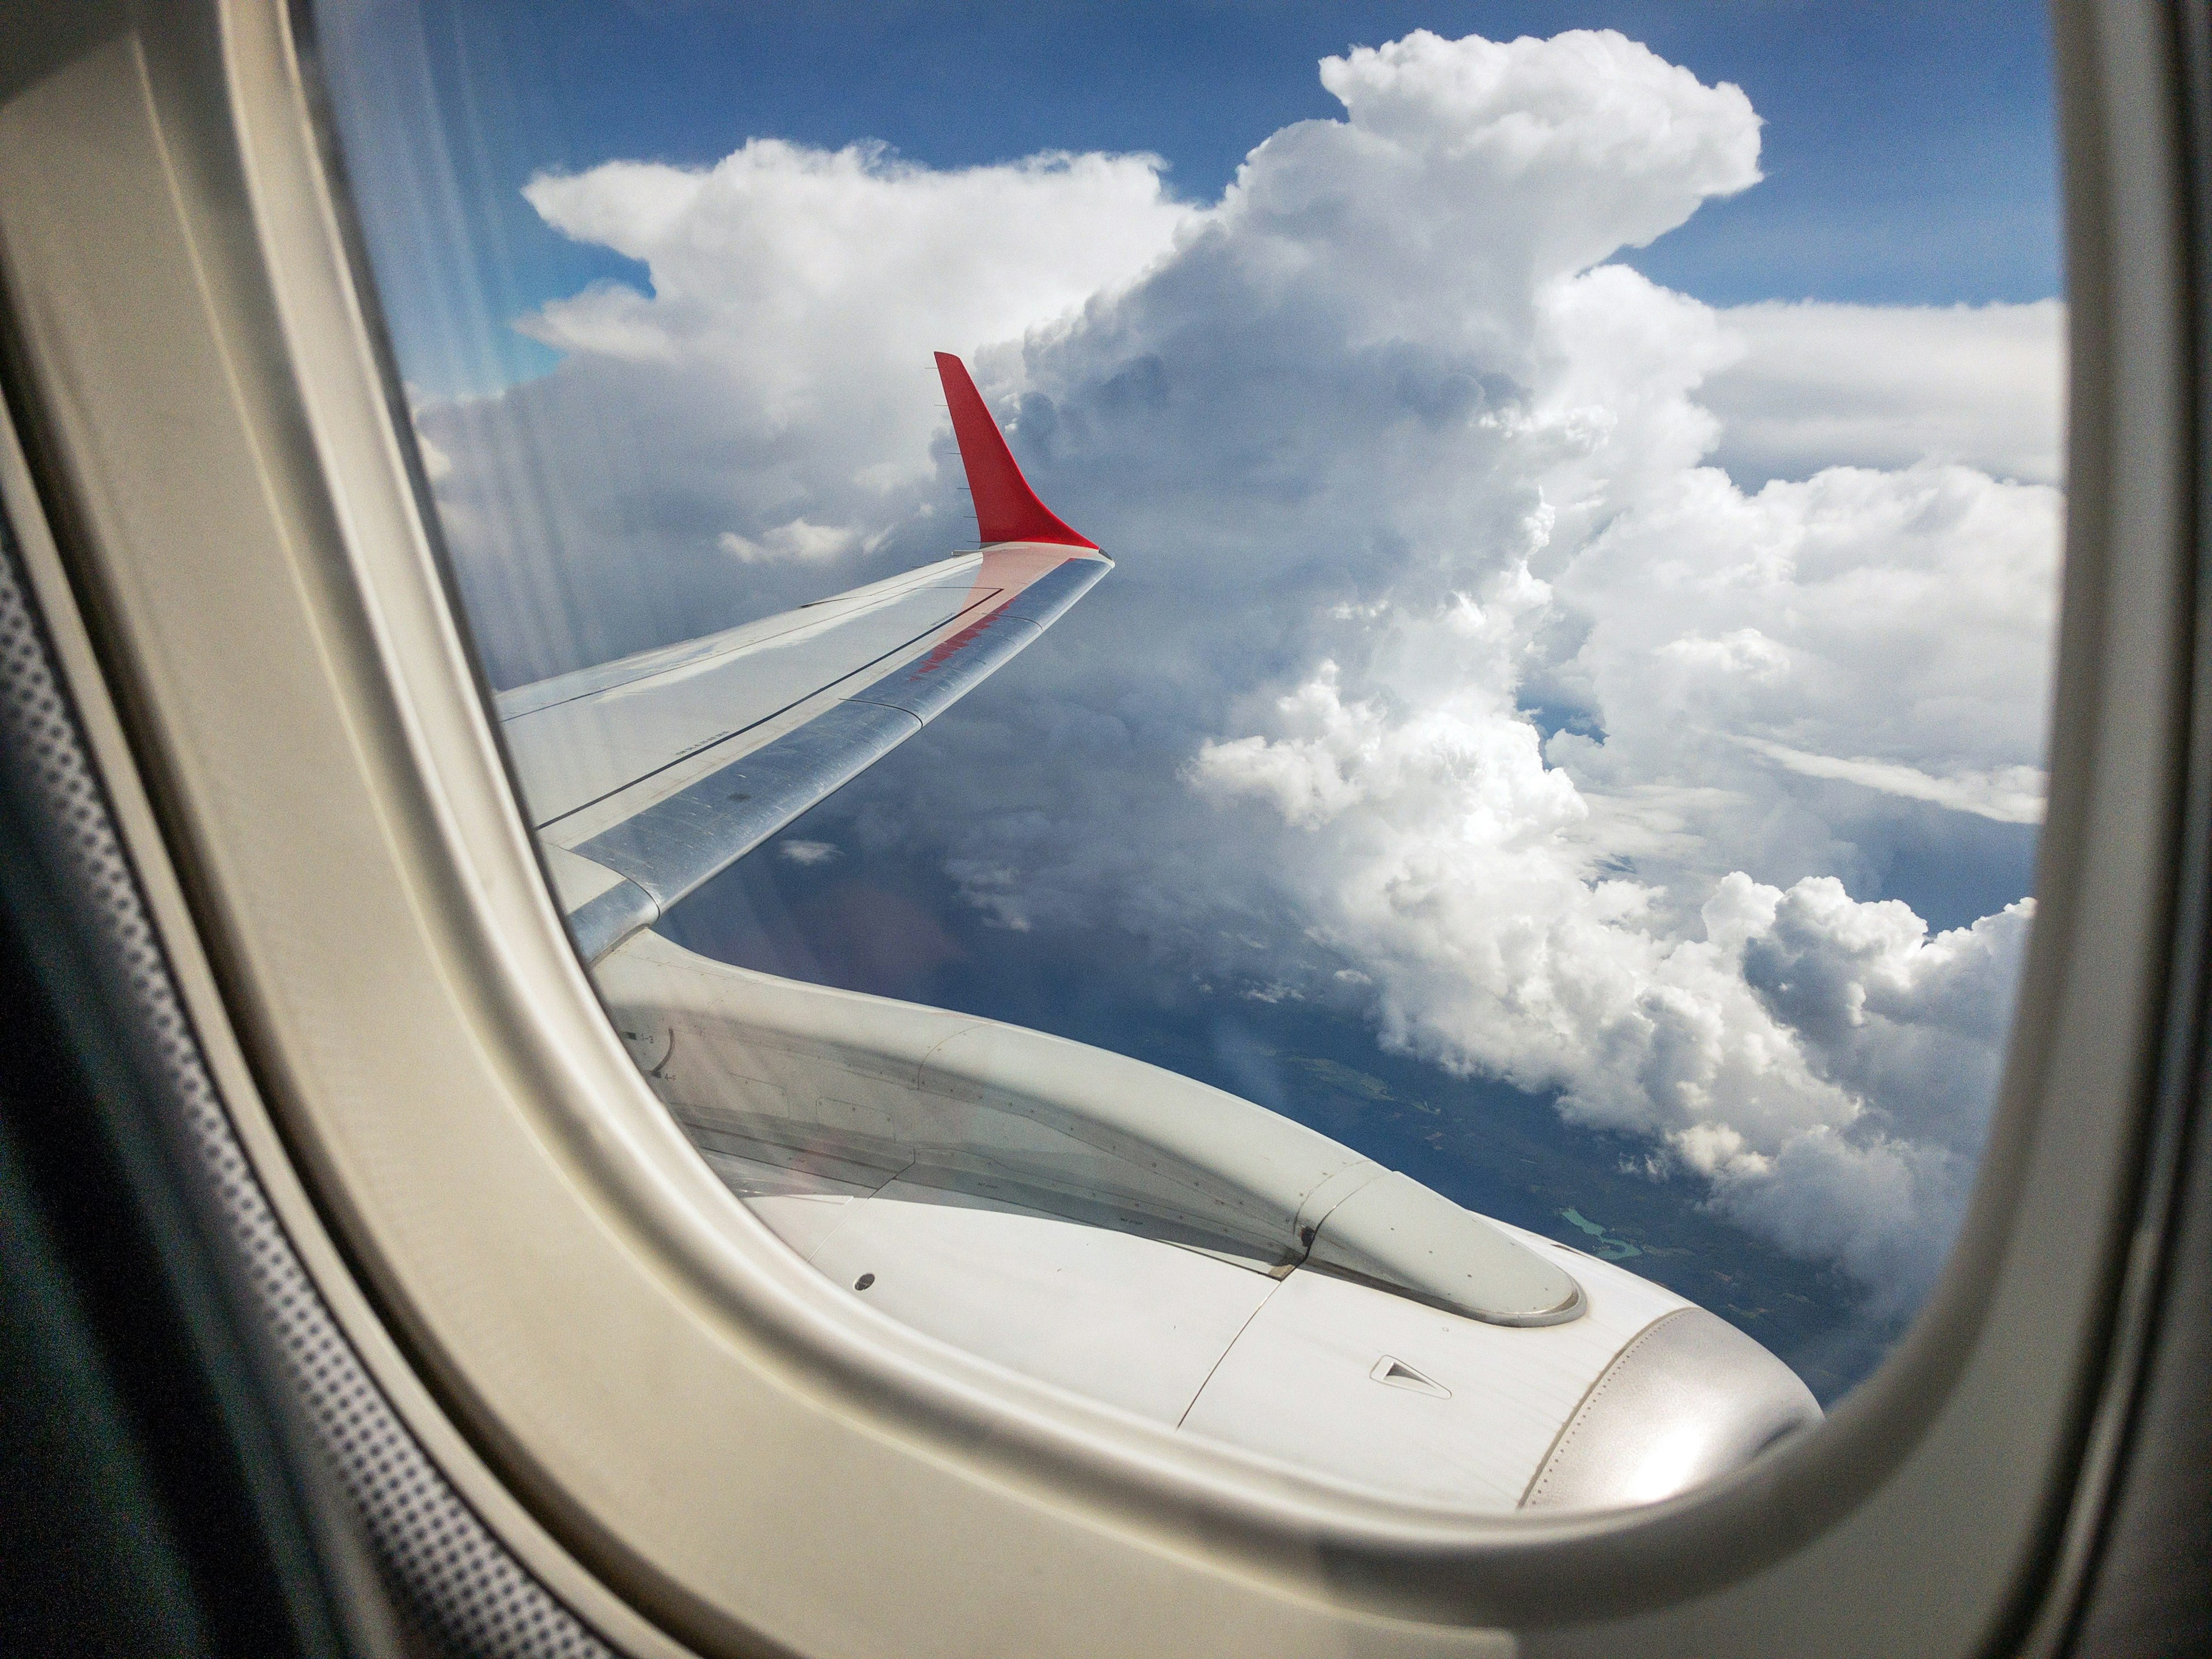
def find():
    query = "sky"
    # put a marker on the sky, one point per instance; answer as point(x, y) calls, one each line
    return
point(1587, 503)
point(1959, 115)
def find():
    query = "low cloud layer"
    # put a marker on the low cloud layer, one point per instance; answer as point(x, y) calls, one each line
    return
point(1530, 656)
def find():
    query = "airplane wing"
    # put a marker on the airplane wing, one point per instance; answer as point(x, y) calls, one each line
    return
point(646, 776)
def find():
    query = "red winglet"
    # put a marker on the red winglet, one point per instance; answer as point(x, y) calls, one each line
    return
point(1007, 508)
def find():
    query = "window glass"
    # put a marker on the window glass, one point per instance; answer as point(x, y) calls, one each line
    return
point(1561, 739)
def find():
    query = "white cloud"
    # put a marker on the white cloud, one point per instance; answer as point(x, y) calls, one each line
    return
point(1442, 671)
point(807, 283)
point(2011, 794)
point(1898, 620)
point(436, 464)
point(800, 539)
point(773, 373)
point(1587, 142)
point(1886, 385)
point(810, 852)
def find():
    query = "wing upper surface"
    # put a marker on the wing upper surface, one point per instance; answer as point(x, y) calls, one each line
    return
point(645, 777)
point(577, 750)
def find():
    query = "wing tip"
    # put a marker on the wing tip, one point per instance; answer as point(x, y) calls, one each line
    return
point(1007, 508)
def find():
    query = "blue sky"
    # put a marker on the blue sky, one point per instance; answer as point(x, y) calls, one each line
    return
point(1909, 149)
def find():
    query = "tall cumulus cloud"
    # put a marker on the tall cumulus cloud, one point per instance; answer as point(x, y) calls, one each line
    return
point(1448, 671)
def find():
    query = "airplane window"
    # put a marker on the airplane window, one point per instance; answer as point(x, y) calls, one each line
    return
point(1326, 721)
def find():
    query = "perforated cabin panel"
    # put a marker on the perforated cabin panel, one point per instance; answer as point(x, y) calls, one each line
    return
point(461, 1585)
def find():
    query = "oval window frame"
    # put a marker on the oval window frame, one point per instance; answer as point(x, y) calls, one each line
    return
point(218, 277)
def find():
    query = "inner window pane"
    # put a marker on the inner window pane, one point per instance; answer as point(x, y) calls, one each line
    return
point(1564, 721)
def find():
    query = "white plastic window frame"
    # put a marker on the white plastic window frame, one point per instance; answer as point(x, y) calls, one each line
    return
point(661, 1410)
